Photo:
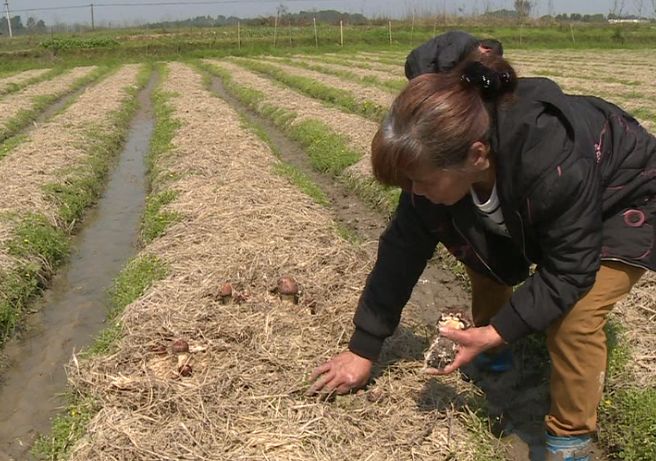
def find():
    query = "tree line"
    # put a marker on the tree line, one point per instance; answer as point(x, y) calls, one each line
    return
point(31, 26)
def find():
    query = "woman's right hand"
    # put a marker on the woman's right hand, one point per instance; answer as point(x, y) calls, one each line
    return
point(341, 374)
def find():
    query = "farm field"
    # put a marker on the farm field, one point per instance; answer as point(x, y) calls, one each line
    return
point(19, 108)
point(14, 81)
point(258, 169)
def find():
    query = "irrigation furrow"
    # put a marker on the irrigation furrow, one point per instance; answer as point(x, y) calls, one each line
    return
point(7, 84)
point(48, 180)
point(19, 108)
point(244, 399)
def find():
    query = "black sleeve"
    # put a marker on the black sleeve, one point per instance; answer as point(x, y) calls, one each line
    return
point(439, 54)
point(403, 251)
point(565, 209)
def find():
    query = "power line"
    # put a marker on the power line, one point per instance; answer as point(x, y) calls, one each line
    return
point(163, 3)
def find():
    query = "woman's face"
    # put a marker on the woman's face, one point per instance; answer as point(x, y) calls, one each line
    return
point(447, 186)
point(441, 186)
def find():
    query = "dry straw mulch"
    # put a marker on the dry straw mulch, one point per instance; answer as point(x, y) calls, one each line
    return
point(360, 92)
point(347, 67)
point(54, 150)
point(14, 103)
point(19, 78)
point(598, 76)
point(245, 399)
point(357, 130)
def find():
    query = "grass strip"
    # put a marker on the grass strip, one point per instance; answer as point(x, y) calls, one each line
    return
point(156, 218)
point(315, 89)
point(41, 246)
point(627, 414)
point(39, 103)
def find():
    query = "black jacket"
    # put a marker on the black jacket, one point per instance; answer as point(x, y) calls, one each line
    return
point(575, 178)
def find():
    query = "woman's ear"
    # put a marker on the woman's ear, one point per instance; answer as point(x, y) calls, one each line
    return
point(479, 156)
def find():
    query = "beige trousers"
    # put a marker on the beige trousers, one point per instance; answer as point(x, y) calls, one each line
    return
point(576, 344)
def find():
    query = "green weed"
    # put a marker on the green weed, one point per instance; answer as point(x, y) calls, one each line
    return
point(8, 145)
point(156, 221)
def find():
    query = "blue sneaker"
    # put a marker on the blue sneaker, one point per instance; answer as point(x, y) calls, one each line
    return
point(495, 362)
point(575, 448)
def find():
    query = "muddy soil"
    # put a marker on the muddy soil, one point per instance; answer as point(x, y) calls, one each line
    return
point(73, 310)
point(517, 400)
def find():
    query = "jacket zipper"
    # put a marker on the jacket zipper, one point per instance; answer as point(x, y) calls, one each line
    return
point(521, 226)
point(453, 221)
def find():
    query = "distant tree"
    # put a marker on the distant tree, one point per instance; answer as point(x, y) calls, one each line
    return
point(30, 24)
point(502, 14)
point(17, 27)
point(523, 8)
point(594, 18)
point(41, 27)
point(639, 6)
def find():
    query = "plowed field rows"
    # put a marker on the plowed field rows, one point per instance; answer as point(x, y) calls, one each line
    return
point(220, 211)
point(240, 222)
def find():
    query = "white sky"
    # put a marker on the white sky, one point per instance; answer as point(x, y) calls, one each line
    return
point(254, 8)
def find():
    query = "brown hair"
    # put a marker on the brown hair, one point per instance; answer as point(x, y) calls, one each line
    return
point(437, 117)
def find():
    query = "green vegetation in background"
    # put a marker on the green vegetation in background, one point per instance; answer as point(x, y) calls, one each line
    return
point(42, 246)
point(315, 89)
point(627, 414)
point(139, 45)
point(59, 44)
point(39, 103)
point(68, 427)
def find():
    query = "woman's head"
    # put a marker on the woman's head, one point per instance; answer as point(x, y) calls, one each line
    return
point(434, 140)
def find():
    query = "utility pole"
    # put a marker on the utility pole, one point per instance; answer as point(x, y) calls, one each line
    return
point(93, 21)
point(11, 34)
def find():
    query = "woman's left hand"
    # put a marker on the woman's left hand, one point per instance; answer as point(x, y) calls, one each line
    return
point(472, 342)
